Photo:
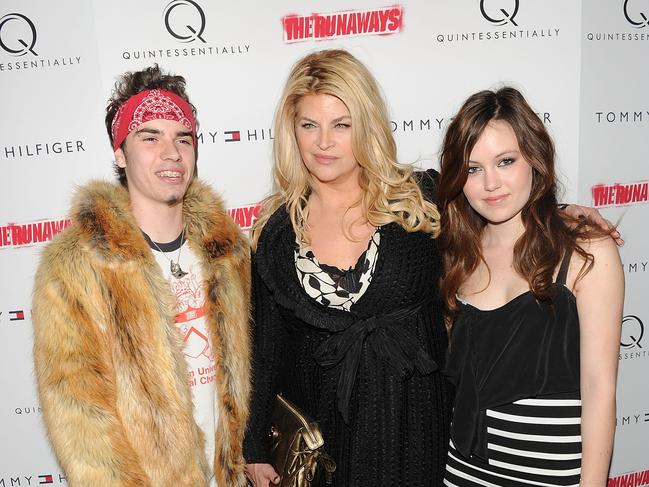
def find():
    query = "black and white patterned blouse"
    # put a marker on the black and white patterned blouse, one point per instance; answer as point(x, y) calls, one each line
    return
point(334, 287)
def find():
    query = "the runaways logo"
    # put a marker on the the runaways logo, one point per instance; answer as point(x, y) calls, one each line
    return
point(15, 235)
point(634, 16)
point(348, 23)
point(632, 479)
point(245, 216)
point(17, 34)
point(179, 26)
point(497, 14)
point(619, 194)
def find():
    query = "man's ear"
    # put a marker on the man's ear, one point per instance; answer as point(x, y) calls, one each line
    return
point(120, 158)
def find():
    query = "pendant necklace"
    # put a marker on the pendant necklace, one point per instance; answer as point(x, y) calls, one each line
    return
point(174, 267)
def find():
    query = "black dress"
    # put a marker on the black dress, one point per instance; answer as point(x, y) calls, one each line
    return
point(517, 417)
point(370, 376)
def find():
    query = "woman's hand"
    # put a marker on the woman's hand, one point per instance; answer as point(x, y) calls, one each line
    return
point(262, 474)
point(594, 216)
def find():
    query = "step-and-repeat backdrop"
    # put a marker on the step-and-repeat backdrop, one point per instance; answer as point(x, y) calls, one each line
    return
point(581, 64)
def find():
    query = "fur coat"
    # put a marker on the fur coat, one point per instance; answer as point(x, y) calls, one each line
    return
point(111, 373)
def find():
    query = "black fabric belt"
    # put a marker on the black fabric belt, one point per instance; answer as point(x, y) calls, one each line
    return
point(388, 339)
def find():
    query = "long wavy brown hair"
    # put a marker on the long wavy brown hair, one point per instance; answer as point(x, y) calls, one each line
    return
point(548, 232)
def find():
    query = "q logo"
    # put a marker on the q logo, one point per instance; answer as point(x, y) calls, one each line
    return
point(632, 332)
point(187, 27)
point(500, 16)
point(17, 35)
point(636, 19)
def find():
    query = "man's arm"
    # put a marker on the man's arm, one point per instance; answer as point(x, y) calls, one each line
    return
point(76, 381)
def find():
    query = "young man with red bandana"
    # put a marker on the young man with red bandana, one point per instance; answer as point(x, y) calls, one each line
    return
point(141, 310)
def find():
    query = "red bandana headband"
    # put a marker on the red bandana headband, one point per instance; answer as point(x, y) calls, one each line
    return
point(150, 105)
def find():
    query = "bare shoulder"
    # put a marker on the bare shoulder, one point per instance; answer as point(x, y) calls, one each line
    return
point(603, 249)
point(606, 264)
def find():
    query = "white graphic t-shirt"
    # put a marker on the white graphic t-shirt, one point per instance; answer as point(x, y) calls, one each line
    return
point(190, 320)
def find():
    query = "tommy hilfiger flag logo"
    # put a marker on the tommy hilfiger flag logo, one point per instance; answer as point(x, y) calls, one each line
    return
point(232, 135)
point(18, 315)
point(45, 479)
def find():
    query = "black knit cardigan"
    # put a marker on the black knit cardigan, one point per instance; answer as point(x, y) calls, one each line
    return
point(370, 377)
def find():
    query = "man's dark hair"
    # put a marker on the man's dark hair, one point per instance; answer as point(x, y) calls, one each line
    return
point(132, 83)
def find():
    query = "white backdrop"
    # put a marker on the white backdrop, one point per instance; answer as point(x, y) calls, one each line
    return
point(581, 64)
point(613, 175)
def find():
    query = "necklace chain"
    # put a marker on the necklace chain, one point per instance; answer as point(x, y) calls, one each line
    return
point(174, 267)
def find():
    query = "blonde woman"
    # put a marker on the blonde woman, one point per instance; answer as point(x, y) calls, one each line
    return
point(347, 324)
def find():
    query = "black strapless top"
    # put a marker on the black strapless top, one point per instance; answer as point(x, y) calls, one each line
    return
point(523, 349)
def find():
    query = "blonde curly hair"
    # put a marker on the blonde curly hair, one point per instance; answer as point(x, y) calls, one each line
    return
point(389, 192)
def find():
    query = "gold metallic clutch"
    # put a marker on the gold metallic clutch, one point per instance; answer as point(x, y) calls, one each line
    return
point(297, 448)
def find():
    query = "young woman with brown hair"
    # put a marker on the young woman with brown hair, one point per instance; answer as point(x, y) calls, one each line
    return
point(535, 300)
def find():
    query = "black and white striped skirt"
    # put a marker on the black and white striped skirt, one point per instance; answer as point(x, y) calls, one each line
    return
point(530, 442)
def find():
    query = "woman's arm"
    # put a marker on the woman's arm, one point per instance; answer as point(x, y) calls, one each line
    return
point(600, 298)
point(269, 335)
